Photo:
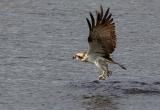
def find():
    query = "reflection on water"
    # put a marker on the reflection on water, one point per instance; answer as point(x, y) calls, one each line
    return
point(111, 95)
point(100, 102)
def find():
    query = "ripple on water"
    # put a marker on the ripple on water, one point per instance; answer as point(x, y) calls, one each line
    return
point(117, 88)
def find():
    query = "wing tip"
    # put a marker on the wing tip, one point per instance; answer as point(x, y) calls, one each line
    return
point(92, 19)
point(89, 24)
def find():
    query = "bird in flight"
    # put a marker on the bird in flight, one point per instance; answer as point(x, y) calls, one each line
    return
point(102, 42)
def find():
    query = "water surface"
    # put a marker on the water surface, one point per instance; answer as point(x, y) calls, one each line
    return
point(39, 37)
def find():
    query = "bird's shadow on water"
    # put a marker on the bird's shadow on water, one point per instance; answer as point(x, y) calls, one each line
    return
point(107, 94)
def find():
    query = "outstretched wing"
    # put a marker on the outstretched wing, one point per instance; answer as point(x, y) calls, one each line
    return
point(102, 37)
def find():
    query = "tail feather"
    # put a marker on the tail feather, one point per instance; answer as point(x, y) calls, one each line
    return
point(122, 66)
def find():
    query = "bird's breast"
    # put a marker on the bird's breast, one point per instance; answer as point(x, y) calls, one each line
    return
point(92, 58)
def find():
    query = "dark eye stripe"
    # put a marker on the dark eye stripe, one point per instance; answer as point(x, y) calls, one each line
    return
point(79, 56)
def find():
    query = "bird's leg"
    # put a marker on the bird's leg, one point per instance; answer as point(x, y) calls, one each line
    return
point(105, 73)
point(109, 73)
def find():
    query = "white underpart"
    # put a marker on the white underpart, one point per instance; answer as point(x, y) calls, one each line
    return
point(99, 61)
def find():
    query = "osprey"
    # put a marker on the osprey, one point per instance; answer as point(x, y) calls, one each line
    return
point(102, 42)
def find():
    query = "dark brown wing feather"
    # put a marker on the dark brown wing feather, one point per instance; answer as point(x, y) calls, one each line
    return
point(102, 37)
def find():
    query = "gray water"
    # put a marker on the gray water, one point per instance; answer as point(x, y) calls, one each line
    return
point(39, 37)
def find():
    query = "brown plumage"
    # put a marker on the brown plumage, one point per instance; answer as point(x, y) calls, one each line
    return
point(102, 36)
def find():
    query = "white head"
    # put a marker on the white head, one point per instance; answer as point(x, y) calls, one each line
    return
point(80, 56)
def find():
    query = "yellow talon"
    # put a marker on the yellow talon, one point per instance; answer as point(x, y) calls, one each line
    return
point(102, 77)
